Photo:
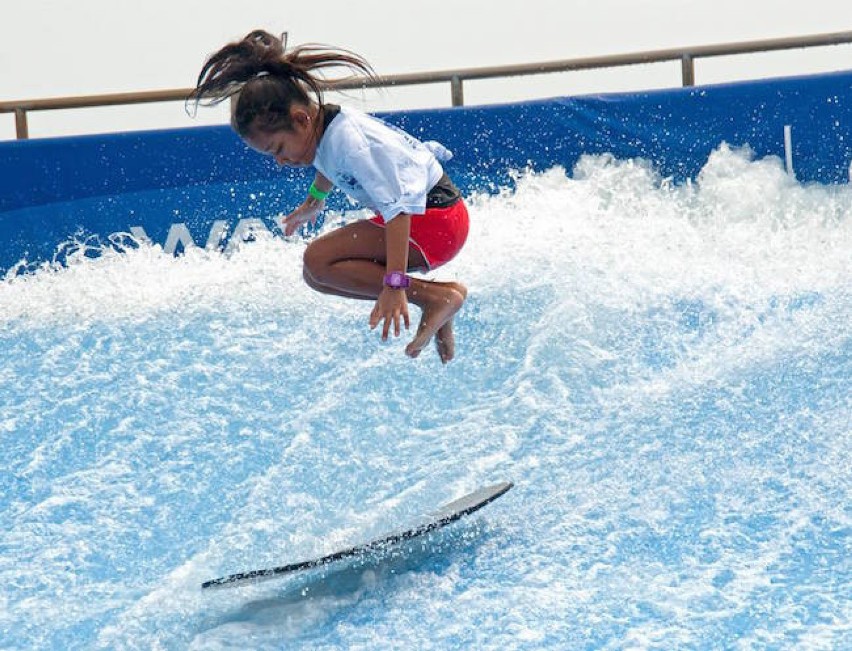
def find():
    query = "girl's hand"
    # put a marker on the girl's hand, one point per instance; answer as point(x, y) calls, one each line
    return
point(307, 212)
point(390, 306)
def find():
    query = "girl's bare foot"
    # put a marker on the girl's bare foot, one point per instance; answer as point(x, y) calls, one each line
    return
point(444, 300)
point(445, 341)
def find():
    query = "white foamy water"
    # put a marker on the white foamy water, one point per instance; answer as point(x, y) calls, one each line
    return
point(664, 371)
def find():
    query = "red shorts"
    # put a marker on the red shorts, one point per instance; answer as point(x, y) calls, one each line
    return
point(438, 234)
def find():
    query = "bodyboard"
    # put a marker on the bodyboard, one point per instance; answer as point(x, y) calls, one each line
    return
point(445, 515)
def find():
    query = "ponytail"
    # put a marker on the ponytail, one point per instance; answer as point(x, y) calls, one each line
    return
point(270, 79)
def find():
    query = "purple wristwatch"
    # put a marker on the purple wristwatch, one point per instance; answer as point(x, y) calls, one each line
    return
point(397, 280)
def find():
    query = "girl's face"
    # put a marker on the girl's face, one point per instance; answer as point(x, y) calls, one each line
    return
point(294, 147)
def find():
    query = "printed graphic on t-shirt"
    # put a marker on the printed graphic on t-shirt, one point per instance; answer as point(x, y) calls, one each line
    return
point(349, 181)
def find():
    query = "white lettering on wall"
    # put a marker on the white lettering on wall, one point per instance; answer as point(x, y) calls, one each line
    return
point(140, 235)
point(218, 234)
point(178, 234)
point(246, 230)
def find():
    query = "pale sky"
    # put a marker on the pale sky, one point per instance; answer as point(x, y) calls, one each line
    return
point(53, 48)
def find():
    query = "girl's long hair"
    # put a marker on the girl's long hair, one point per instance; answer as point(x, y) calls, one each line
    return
point(270, 79)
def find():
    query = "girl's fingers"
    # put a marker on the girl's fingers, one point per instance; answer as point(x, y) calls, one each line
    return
point(396, 316)
point(386, 329)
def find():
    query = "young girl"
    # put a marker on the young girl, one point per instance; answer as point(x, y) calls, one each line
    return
point(421, 221)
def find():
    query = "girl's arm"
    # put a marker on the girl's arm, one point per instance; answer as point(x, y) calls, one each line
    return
point(393, 303)
point(322, 184)
point(311, 207)
point(397, 232)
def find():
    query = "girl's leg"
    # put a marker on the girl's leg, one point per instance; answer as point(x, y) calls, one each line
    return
point(350, 262)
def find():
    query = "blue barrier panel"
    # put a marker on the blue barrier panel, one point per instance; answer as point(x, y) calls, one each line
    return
point(202, 185)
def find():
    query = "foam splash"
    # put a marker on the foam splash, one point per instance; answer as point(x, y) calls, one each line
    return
point(664, 371)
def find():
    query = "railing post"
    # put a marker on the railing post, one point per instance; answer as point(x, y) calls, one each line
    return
point(21, 129)
point(687, 68)
point(457, 91)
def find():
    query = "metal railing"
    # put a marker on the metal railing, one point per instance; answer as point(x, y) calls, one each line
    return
point(456, 78)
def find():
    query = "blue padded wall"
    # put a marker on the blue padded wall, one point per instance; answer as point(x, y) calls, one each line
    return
point(93, 186)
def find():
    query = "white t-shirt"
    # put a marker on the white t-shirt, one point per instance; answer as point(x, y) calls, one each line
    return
point(378, 165)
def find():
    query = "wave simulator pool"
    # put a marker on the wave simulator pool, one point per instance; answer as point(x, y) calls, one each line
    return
point(663, 369)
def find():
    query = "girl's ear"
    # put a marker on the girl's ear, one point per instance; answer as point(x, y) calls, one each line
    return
point(300, 116)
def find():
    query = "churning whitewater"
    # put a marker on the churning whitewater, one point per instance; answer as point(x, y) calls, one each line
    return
point(664, 370)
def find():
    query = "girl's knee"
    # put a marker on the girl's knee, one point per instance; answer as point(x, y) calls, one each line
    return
point(312, 259)
point(315, 264)
point(310, 281)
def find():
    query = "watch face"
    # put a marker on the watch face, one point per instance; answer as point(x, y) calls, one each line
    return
point(397, 280)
